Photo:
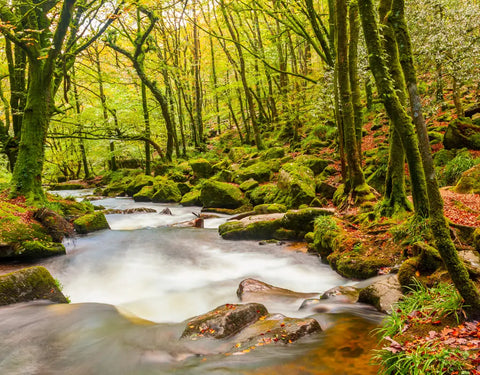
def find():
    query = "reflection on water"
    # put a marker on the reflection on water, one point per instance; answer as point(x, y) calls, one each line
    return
point(145, 268)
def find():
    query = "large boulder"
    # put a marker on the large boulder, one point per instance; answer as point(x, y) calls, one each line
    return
point(90, 223)
point(216, 194)
point(303, 220)
point(138, 183)
point(256, 227)
point(382, 294)
point(224, 321)
point(317, 165)
point(462, 132)
point(469, 182)
point(201, 168)
point(264, 194)
point(166, 191)
point(29, 284)
point(191, 198)
point(260, 172)
point(145, 194)
point(297, 183)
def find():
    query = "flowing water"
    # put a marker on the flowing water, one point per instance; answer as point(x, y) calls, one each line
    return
point(132, 288)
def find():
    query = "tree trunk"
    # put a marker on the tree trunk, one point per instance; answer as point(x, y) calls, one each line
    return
point(356, 186)
point(397, 114)
point(146, 122)
point(27, 174)
point(438, 223)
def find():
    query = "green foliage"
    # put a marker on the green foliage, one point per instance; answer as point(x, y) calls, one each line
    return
point(454, 168)
point(413, 230)
point(438, 302)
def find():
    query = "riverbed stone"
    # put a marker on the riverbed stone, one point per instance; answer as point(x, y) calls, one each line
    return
point(29, 284)
point(224, 321)
point(166, 191)
point(251, 290)
point(191, 198)
point(138, 183)
point(383, 294)
point(256, 227)
point(342, 293)
point(91, 223)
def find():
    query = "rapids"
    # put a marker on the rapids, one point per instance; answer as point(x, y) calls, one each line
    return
point(133, 286)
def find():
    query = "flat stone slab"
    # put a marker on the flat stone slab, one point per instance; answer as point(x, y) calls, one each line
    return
point(251, 290)
point(382, 294)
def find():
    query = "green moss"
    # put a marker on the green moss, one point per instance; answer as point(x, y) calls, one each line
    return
point(166, 191)
point(302, 220)
point(327, 236)
point(191, 198)
point(237, 153)
point(267, 193)
point(407, 273)
point(29, 284)
point(67, 186)
point(476, 239)
point(259, 171)
point(221, 195)
point(273, 153)
point(270, 208)
point(201, 168)
point(297, 184)
point(248, 185)
point(429, 259)
point(260, 230)
point(91, 223)
point(138, 183)
point(317, 165)
point(358, 267)
point(469, 182)
point(40, 249)
point(144, 195)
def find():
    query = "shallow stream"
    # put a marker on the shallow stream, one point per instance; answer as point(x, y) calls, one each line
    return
point(133, 286)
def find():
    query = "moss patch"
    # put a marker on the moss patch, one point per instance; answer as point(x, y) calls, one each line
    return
point(91, 223)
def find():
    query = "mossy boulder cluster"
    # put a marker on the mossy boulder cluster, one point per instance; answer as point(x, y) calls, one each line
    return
point(242, 178)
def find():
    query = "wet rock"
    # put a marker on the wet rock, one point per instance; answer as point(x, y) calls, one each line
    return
point(224, 321)
point(472, 262)
point(275, 329)
point(382, 294)
point(91, 223)
point(342, 294)
point(29, 284)
point(166, 211)
point(255, 290)
point(135, 210)
point(191, 198)
point(39, 249)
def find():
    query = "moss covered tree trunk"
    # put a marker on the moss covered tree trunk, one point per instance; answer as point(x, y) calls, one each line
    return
point(396, 112)
point(354, 23)
point(356, 186)
point(27, 174)
point(395, 199)
point(438, 223)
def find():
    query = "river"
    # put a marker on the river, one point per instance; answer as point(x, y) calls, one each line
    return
point(132, 288)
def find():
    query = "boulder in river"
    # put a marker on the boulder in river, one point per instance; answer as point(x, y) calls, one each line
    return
point(91, 223)
point(255, 290)
point(245, 327)
point(221, 195)
point(29, 284)
point(382, 294)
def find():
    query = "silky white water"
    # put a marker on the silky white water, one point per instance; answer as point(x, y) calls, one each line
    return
point(145, 266)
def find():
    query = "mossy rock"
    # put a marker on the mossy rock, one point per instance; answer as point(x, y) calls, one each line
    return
point(357, 267)
point(40, 249)
point(297, 184)
point(429, 259)
point(260, 172)
point(469, 182)
point(267, 193)
point(270, 208)
point(71, 208)
point(201, 168)
point(90, 223)
point(317, 165)
point(221, 166)
point(273, 153)
point(138, 183)
point(302, 220)
point(283, 234)
point(191, 198)
point(166, 191)
point(176, 175)
point(221, 195)
point(407, 274)
point(324, 189)
point(259, 230)
point(144, 195)
point(248, 185)
point(29, 284)
point(327, 236)
point(462, 132)
point(184, 188)
point(236, 154)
